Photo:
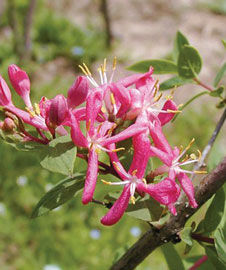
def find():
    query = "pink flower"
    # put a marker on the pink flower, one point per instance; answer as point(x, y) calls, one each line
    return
point(58, 110)
point(21, 83)
point(5, 94)
point(78, 92)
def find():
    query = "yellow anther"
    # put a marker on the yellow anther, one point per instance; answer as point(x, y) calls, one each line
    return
point(87, 70)
point(180, 105)
point(103, 109)
point(116, 166)
point(173, 111)
point(158, 97)
point(32, 113)
point(181, 148)
point(168, 97)
point(97, 150)
point(88, 125)
point(200, 172)
point(185, 159)
point(172, 92)
point(118, 149)
point(193, 156)
point(199, 153)
point(144, 181)
point(37, 108)
point(112, 99)
point(114, 63)
point(133, 200)
point(190, 144)
point(105, 65)
point(106, 182)
point(83, 70)
point(99, 127)
point(134, 172)
point(111, 129)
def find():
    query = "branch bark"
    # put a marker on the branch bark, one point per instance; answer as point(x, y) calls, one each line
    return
point(153, 238)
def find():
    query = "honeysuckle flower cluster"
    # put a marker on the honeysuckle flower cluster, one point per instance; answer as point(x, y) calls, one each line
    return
point(112, 112)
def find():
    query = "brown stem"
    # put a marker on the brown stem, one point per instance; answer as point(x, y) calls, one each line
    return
point(27, 29)
point(153, 239)
point(107, 22)
point(201, 238)
point(203, 84)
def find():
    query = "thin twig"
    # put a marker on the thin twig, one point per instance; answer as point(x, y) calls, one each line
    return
point(202, 238)
point(203, 84)
point(210, 143)
point(198, 263)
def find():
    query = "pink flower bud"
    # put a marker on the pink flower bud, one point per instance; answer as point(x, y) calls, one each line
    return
point(8, 125)
point(58, 110)
point(5, 94)
point(21, 83)
point(78, 92)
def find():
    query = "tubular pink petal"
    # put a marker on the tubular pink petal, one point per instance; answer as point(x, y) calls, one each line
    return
point(76, 134)
point(141, 145)
point(188, 188)
point(167, 117)
point(5, 94)
point(163, 156)
point(58, 110)
point(127, 133)
point(21, 83)
point(91, 177)
point(118, 209)
point(93, 107)
point(159, 138)
point(165, 192)
point(172, 209)
point(78, 92)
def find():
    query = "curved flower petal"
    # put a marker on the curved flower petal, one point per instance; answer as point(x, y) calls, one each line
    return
point(5, 94)
point(76, 134)
point(91, 177)
point(118, 209)
point(167, 117)
point(188, 188)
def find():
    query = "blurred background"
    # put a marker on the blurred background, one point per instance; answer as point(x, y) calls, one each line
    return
point(49, 39)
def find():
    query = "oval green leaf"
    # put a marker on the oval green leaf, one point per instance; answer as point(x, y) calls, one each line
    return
point(160, 66)
point(173, 82)
point(189, 62)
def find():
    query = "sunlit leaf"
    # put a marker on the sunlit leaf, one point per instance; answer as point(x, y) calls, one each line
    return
point(160, 66)
point(173, 83)
point(58, 195)
point(173, 259)
point(189, 62)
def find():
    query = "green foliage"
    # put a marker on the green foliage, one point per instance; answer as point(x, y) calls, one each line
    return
point(179, 42)
point(173, 83)
point(160, 66)
point(219, 75)
point(189, 62)
point(173, 260)
point(185, 235)
point(60, 155)
point(215, 212)
point(218, 92)
point(61, 193)
point(213, 257)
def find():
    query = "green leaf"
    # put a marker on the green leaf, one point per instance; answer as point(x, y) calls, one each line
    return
point(146, 209)
point(172, 258)
point(189, 62)
point(220, 243)
point(213, 257)
point(189, 262)
point(185, 235)
point(60, 156)
point(215, 212)
point(58, 195)
point(217, 93)
point(173, 82)
point(219, 75)
point(179, 43)
point(190, 101)
point(224, 42)
point(160, 66)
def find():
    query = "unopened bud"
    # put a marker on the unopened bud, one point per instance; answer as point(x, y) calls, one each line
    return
point(5, 94)
point(58, 110)
point(8, 125)
point(78, 92)
point(21, 83)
